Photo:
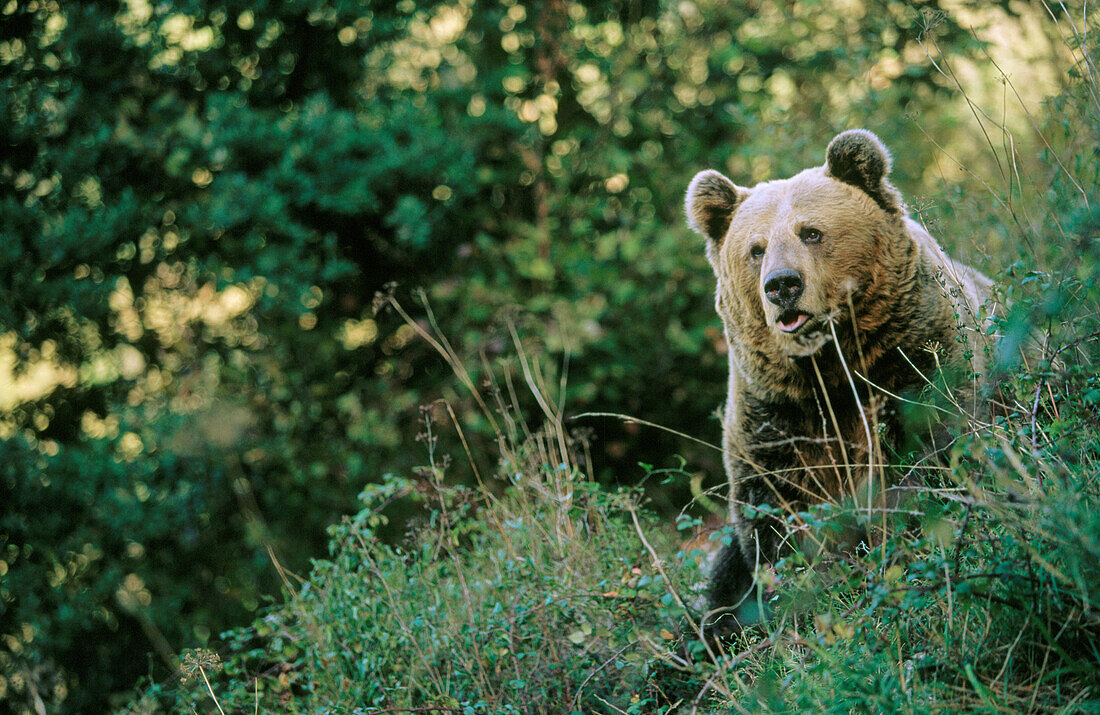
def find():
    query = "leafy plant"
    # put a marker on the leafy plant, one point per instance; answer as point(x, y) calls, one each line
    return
point(200, 200)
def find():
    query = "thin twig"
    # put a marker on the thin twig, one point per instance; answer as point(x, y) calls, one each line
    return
point(577, 697)
point(629, 419)
point(212, 695)
point(668, 583)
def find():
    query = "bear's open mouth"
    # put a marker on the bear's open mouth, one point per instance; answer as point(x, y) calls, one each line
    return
point(791, 320)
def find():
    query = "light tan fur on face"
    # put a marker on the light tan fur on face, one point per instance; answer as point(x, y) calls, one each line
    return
point(839, 269)
point(872, 265)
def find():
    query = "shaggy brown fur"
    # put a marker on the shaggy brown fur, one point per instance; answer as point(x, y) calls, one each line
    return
point(827, 291)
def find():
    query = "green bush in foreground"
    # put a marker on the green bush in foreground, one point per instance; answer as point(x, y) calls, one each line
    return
point(539, 598)
point(980, 592)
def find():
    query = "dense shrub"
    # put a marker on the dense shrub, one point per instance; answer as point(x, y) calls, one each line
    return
point(979, 594)
point(201, 199)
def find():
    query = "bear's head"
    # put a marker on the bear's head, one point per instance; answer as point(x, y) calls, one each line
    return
point(794, 254)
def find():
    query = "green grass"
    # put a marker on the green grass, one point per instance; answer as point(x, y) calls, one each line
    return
point(540, 591)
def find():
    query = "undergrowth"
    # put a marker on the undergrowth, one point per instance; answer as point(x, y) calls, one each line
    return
point(547, 593)
point(539, 591)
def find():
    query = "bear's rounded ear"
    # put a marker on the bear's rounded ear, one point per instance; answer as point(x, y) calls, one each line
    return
point(710, 202)
point(857, 157)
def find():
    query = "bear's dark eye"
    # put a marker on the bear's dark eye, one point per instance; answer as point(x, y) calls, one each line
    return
point(756, 252)
point(809, 235)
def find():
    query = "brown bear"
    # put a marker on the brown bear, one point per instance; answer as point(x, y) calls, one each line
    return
point(835, 305)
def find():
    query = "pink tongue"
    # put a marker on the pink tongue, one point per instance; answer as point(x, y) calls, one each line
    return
point(788, 327)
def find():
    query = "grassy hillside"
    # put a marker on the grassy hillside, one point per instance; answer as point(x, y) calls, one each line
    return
point(205, 205)
point(546, 593)
point(540, 591)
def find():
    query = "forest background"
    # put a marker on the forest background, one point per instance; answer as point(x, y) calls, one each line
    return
point(206, 208)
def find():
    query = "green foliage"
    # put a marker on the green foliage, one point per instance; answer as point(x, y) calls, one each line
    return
point(200, 200)
point(537, 599)
point(116, 531)
point(557, 596)
point(518, 615)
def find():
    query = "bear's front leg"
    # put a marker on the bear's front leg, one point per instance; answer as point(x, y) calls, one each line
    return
point(731, 586)
point(732, 597)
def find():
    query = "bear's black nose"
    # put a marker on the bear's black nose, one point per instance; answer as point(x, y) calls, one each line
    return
point(783, 287)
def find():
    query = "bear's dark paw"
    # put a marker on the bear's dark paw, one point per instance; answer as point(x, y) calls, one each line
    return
point(720, 631)
point(709, 640)
point(731, 579)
